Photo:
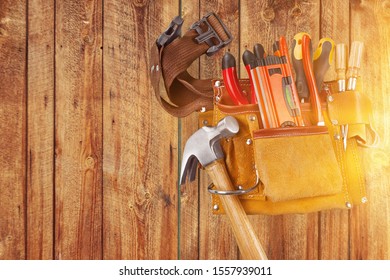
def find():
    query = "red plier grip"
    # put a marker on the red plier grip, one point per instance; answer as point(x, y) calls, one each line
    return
point(230, 79)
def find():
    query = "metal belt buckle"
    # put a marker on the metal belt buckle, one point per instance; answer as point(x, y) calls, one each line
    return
point(210, 36)
point(171, 33)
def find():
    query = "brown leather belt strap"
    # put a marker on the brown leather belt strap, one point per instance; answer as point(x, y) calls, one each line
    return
point(171, 57)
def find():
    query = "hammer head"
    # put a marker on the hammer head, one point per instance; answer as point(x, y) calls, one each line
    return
point(204, 146)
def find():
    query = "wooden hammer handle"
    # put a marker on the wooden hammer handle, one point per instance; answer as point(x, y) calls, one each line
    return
point(248, 243)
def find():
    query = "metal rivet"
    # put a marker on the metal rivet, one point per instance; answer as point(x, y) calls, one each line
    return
point(330, 98)
point(248, 141)
point(205, 122)
point(337, 137)
point(157, 68)
point(152, 68)
point(239, 187)
point(364, 199)
point(217, 83)
point(335, 122)
point(216, 207)
point(203, 109)
point(348, 205)
point(217, 98)
point(252, 118)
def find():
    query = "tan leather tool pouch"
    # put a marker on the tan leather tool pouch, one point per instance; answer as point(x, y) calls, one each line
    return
point(295, 169)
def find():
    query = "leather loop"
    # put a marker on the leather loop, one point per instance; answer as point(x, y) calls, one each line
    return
point(185, 94)
point(349, 107)
point(353, 108)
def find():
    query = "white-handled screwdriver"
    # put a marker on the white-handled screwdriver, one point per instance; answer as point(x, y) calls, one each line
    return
point(354, 64)
point(340, 70)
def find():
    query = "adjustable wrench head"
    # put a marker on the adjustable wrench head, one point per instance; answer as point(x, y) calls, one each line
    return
point(204, 146)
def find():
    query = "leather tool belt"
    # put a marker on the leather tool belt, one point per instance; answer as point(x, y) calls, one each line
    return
point(278, 170)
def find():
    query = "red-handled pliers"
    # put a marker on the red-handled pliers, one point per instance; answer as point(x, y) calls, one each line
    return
point(230, 79)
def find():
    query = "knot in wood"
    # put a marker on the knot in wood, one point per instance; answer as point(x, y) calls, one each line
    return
point(89, 162)
point(268, 14)
point(147, 195)
point(88, 40)
point(296, 11)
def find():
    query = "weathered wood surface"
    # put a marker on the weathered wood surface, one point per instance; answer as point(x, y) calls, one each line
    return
point(89, 161)
point(140, 140)
point(78, 130)
point(370, 225)
point(40, 84)
point(189, 220)
point(13, 128)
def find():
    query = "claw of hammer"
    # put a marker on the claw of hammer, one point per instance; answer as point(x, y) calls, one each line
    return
point(204, 147)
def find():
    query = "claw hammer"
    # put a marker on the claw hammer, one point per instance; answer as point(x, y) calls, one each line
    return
point(204, 147)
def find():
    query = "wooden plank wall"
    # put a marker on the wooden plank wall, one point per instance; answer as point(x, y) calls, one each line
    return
point(89, 161)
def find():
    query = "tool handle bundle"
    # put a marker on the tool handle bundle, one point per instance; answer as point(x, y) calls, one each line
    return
point(297, 148)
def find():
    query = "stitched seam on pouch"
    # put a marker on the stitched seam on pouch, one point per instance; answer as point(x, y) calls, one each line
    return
point(354, 153)
point(253, 161)
point(239, 112)
point(291, 134)
point(239, 171)
point(340, 157)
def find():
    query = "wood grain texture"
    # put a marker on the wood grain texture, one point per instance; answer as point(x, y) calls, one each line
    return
point(334, 23)
point(140, 139)
point(78, 130)
point(40, 155)
point(334, 224)
point(216, 237)
point(13, 96)
point(370, 224)
point(289, 236)
point(89, 160)
point(266, 21)
point(189, 193)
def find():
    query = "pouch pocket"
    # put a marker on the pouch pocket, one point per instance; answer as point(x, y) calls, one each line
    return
point(296, 162)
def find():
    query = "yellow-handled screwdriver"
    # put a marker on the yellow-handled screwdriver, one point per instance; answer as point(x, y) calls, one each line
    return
point(322, 60)
point(297, 62)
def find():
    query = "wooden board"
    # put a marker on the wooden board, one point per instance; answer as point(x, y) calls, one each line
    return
point(13, 98)
point(90, 162)
point(78, 130)
point(140, 139)
point(189, 193)
point(40, 74)
point(370, 225)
